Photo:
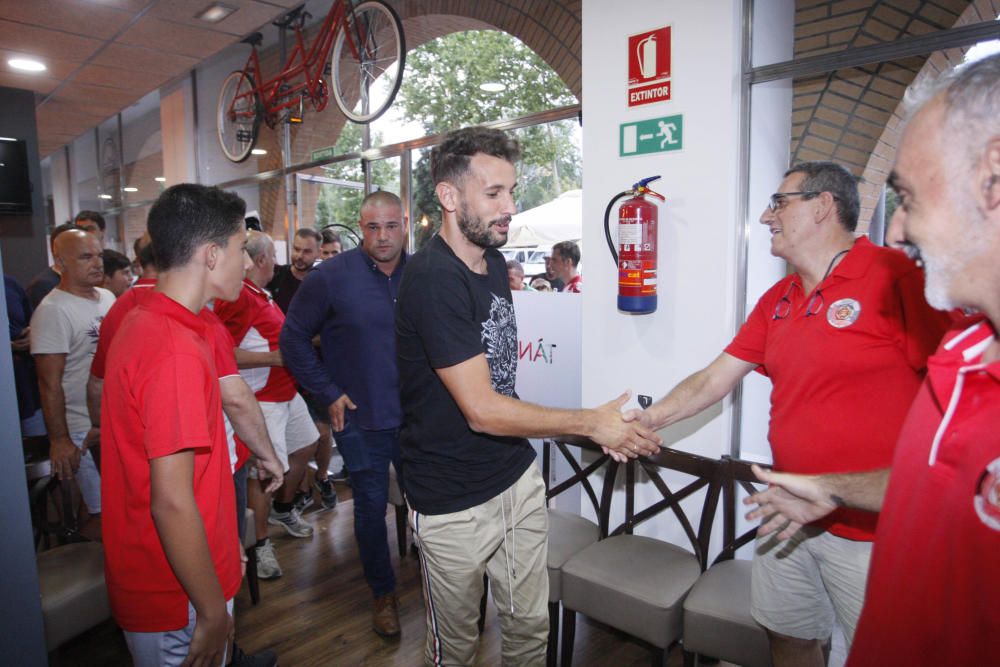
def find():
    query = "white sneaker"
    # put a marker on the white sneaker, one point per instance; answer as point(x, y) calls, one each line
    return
point(267, 562)
point(290, 521)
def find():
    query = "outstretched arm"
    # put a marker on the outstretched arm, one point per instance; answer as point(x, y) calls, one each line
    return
point(791, 501)
point(695, 393)
point(489, 412)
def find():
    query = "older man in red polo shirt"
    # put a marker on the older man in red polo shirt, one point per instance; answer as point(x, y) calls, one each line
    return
point(844, 340)
point(932, 593)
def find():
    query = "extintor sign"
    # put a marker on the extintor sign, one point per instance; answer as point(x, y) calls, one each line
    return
point(649, 67)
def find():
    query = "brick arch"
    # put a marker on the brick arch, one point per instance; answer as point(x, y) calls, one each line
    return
point(852, 115)
point(551, 29)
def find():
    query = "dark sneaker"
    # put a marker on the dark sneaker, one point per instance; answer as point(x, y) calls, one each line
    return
point(327, 494)
point(303, 500)
point(385, 619)
point(262, 659)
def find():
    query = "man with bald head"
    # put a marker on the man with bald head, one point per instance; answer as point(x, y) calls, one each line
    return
point(349, 300)
point(64, 331)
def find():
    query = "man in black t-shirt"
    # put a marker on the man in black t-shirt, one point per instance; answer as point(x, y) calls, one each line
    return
point(478, 499)
point(287, 278)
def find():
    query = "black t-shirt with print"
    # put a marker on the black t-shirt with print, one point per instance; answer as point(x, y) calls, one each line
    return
point(283, 286)
point(446, 314)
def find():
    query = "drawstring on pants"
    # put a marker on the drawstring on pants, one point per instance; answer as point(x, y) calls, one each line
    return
point(511, 572)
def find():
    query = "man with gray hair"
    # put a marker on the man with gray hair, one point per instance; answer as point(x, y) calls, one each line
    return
point(255, 322)
point(849, 324)
point(931, 597)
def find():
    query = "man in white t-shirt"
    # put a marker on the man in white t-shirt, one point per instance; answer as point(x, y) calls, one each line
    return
point(64, 331)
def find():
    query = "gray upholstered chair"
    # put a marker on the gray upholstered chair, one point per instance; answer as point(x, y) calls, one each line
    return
point(637, 584)
point(74, 596)
point(570, 533)
point(717, 620)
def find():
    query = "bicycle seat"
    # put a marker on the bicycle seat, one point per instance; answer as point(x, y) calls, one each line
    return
point(253, 39)
point(290, 18)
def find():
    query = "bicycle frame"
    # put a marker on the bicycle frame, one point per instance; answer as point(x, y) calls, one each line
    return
point(276, 94)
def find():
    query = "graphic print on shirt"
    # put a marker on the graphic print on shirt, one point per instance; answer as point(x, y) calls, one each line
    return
point(94, 330)
point(987, 500)
point(500, 342)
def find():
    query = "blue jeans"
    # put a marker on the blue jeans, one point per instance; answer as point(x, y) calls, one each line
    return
point(367, 455)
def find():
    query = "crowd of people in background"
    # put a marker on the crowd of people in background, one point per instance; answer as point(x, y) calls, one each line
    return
point(218, 379)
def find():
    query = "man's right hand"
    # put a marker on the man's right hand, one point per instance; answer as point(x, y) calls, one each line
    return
point(64, 457)
point(336, 411)
point(789, 502)
point(271, 469)
point(620, 439)
point(212, 633)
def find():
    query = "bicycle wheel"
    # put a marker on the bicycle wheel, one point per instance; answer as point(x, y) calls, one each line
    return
point(237, 116)
point(369, 54)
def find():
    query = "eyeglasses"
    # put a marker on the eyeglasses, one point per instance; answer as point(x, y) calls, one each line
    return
point(784, 306)
point(778, 200)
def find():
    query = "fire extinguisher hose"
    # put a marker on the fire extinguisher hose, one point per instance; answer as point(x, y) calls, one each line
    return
point(607, 222)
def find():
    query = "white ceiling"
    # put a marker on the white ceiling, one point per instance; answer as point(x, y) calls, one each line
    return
point(103, 55)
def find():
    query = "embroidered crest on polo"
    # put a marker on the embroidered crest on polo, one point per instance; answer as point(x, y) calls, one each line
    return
point(843, 313)
point(987, 500)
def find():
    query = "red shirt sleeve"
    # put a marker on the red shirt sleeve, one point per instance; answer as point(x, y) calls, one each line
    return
point(109, 327)
point(173, 401)
point(237, 315)
point(222, 344)
point(750, 342)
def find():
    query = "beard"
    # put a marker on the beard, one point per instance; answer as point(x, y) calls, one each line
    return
point(481, 233)
point(942, 269)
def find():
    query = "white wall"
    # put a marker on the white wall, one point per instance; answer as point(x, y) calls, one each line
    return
point(698, 228)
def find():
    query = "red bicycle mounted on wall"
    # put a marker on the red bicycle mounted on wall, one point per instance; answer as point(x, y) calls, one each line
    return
point(360, 48)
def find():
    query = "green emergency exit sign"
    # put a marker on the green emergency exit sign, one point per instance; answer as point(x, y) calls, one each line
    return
point(656, 135)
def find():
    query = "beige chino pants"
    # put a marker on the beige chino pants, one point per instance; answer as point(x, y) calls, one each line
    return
point(505, 537)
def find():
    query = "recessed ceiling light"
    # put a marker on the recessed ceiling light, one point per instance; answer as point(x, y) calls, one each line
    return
point(104, 196)
point(215, 12)
point(258, 151)
point(26, 65)
point(492, 87)
point(7, 139)
point(130, 189)
point(160, 179)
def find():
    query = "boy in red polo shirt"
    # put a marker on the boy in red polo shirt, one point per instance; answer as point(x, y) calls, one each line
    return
point(172, 554)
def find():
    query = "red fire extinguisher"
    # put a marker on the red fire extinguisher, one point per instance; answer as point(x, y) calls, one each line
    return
point(635, 253)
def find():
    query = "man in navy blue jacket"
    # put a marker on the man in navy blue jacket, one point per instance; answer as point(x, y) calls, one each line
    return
point(349, 300)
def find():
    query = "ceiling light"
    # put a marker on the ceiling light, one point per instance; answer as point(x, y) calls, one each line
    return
point(492, 87)
point(130, 189)
point(160, 179)
point(215, 12)
point(258, 151)
point(104, 196)
point(7, 139)
point(26, 65)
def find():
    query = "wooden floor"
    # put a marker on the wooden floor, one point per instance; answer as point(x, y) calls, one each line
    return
point(319, 612)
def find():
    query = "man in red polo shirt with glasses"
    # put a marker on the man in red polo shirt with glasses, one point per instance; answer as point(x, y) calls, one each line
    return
point(844, 340)
point(172, 554)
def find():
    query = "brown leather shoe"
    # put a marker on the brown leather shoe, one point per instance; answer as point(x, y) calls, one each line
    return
point(385, 620)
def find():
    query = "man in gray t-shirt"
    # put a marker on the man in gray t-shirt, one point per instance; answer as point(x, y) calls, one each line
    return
point(64, 331)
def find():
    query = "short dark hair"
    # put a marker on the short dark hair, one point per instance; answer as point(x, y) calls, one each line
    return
point(189, 215)
point(569, 250)
point(92, 216)
point(515, 265)
point(309, 233)
point(330, 236)
point(114, 261)
point(835, 179)
point(450, 159)
point(59, 229)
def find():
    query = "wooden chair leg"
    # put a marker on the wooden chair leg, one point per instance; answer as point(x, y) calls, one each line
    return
point(401, 529)
point(568, 637)
point(659, 657)
point(552, 649)
point(252, 582)
point(482, 603)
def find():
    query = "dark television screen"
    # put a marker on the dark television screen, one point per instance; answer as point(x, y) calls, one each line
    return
point(15, 186)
